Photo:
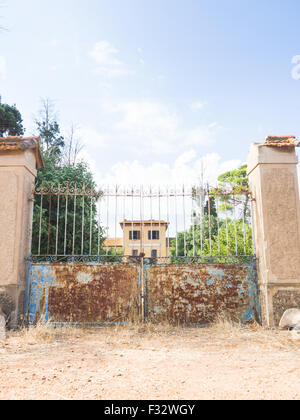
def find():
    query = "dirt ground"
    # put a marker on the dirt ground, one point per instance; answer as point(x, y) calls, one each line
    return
point(150, 363)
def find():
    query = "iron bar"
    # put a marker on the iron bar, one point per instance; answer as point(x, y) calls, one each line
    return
point(40, 227)
point(49, 223)
point(99, 225)
point(74, 222)
point(244, 233)
point(66, 222)
point(57, 223)
point(193, 224)
point(201, 220)
point(235, 227)
point(91, 225)
point(189, 241)
point(227, 234)
point(132, 218)
point(82, 225)
point(107, 220)
point(218, 222)
point(168, 221)
point(184, 221)
point(151, 218)
point(159, 220)
point(209, 221)
point(176, 221)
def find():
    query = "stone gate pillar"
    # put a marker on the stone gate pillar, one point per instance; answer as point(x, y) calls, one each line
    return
point(19, 160)
point(272, 170)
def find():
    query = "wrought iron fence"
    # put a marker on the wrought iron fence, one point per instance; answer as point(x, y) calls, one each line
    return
point(120, 224)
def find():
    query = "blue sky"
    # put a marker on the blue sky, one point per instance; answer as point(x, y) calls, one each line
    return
point(155, 85)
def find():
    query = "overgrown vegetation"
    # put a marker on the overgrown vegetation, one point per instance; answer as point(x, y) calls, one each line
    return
point(11, 123)
point(220, 221)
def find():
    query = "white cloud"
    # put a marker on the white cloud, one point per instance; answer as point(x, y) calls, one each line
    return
point(186, 169)
point(141, 59)
point(201, 136)
point(91, 137)
point(55, 68)
point(197, 106)
point(151, 127)
point(2, 68)
point(185, 158)
point(105, 56)
point(86, 157)
point(148, 120)
point(54, 43)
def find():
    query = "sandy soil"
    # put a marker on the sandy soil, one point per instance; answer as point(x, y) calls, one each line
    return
point(142, 363)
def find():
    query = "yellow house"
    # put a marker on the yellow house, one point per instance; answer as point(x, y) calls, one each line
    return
point(146, 237)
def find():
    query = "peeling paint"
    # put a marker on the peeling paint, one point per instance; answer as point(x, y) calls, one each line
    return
point(111, 292)
point(208, 291)
point(85, 278)
point(84, 293)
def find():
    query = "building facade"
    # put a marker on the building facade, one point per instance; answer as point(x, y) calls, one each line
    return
point(147, 237)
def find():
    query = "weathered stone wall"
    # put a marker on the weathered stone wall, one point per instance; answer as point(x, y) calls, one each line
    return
point(18, 165)
point(274, 184)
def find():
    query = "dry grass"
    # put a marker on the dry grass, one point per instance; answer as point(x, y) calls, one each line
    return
point(148, 361)
point(45, 333)
point(258, 335)
point(226, 326)
point(223, 328)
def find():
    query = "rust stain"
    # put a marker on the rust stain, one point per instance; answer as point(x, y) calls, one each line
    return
point(94, 293)
point(97, 293)
point(197, 294)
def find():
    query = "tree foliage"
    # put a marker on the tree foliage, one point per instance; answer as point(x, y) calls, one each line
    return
point(49, 130)
point(55, 216)
point(11, 123)
point(73, 146)
point(237, 178)
point(221, 221)
point(214, 238)
point(238, 182)
point(63, 225)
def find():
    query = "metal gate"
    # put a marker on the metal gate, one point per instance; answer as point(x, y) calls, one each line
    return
point(181, 255)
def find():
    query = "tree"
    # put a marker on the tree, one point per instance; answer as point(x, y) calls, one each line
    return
point(214, 237)
point(49, 130)
point(65, 219)
point(221, 221)
point(73, 146)
point(11, 123)
point(55, 216)
point(237, 178)
point(238, 182)
point(59, 214)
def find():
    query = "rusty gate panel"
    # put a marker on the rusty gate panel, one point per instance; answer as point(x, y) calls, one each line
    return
point(198, 293)
point(84, 293)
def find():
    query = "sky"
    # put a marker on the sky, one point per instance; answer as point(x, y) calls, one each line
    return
point(156, 87)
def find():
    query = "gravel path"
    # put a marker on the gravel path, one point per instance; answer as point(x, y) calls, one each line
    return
point(151, 363)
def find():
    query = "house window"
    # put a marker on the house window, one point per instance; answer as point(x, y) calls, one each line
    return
point(134, 235)
point(135, 253)
point(153, 235)
point(154, 253)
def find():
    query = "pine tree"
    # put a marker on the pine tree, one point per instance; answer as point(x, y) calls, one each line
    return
point(11, 123)
point(49, 130)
